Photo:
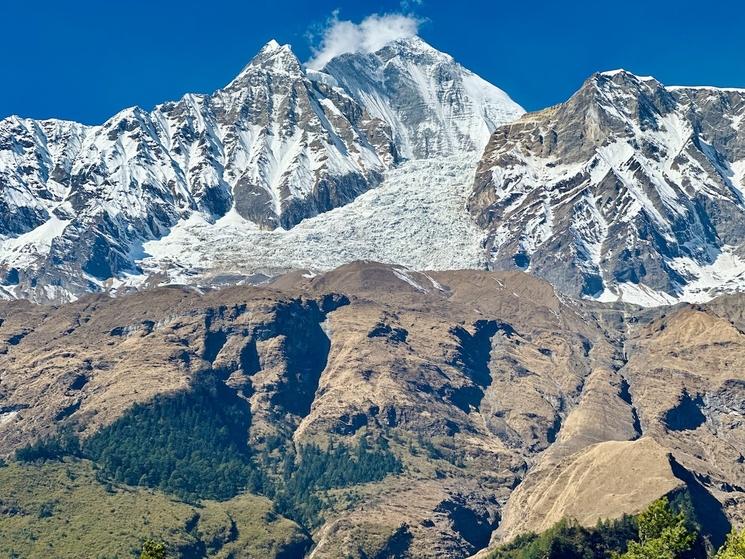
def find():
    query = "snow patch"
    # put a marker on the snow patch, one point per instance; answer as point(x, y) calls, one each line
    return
point(405, 275)
point(7, 417)
point(725, 275)
point(24, 250)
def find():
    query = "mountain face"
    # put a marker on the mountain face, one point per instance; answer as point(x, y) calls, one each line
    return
point(507, 404)
point(273, 145)
point(434, 106)
point(277, 145)
point(629, 189)
point(432, 405)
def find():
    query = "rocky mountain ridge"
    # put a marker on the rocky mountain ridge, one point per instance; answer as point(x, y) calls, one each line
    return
point(277, 145)
point(506, 402)
point(628, 190)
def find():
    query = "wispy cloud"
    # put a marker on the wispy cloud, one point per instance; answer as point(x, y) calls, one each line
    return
point(371, 34)
point(406, 5)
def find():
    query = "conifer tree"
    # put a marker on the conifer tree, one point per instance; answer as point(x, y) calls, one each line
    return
point(663, 534)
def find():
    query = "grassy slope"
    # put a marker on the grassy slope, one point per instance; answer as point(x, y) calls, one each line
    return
point(59, 510)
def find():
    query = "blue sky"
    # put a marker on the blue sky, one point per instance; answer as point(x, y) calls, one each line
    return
point(86, 59)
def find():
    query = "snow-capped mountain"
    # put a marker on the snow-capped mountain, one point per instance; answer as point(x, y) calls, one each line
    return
point(277, 145)
point(629, 189)
point(434, 106)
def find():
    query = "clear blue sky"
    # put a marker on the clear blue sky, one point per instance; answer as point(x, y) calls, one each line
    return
point(87, 59)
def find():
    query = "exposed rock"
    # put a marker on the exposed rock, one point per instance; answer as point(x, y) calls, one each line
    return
point(629, 189)
point(277, 145)
point(599, 482)
point(481, 382)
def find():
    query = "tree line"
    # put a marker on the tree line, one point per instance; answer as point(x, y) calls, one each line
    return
point(659, 532)
point(193, 444)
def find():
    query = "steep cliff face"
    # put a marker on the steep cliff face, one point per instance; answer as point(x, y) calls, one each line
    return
point(479, 382)
point(293, 145)
point(629, 189)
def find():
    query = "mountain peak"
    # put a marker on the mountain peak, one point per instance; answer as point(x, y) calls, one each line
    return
point(434, 105)
point(622, 78)
point(617, 72)
point(415, 42)
point(623, 95)
point(271, 45)
point(273, 50)
point(412, 48)
point(272, 58)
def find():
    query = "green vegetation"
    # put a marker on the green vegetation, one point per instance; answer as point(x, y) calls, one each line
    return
point(59, 509)
point(54, 448)
point(340, 466)
point(663, 533)
point(568, 540)
point(153, 550)
point(193, 445)
point(320, 470)
point(664, 530)
point(734, 547)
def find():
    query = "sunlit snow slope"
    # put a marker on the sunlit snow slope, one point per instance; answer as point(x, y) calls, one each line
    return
point(629, 191)
point(415, 218)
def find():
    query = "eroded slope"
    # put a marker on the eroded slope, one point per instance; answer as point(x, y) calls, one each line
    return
point(478, 382)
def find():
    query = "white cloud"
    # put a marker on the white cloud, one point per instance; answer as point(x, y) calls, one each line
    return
point(371, 34)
